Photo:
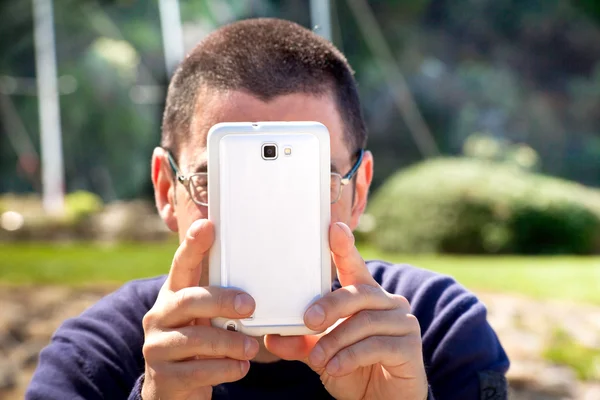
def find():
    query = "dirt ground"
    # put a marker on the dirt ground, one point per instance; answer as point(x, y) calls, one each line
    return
point(28, 317)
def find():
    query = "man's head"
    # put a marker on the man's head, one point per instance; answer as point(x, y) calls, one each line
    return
point(259, 70)
point(266, 58)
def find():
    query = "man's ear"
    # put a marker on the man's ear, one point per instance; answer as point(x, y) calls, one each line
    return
point(363, 178)
point(164, 190)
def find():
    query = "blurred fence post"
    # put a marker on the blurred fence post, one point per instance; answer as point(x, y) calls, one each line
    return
point(320, 17)
point(49, 109)
point(172, 34)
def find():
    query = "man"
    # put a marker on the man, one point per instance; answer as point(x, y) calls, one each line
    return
point(405, 333)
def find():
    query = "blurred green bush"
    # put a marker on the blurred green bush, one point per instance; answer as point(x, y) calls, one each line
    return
point(563, 349)
point(36, 224)
point(462, 205)
point(85, 218)
point(80, 205)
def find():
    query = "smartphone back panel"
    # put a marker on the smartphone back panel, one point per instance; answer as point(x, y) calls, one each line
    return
point(273, 219)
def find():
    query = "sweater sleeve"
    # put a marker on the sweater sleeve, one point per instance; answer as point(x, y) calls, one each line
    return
point(136, 392)
point(97, 355)
point(463, 357)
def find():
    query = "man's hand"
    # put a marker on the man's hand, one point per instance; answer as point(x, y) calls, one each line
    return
point(185, 356)
point(372, 346)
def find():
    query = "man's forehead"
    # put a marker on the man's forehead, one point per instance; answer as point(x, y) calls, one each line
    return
point(237, 106)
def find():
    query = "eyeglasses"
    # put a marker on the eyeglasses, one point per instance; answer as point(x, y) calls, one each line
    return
point(197, 183)
point(338, 181)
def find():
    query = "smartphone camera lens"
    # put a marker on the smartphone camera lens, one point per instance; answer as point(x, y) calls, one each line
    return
point(269, 151)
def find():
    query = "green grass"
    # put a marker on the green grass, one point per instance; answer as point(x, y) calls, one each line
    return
point(564, 350)
point(82, 264)
point(564, 277)
point(573, 278)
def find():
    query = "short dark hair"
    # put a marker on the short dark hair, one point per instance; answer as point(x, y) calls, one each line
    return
point(266, 58)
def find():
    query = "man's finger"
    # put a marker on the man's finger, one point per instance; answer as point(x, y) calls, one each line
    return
point(295, 347)
point(203, 341)
point(359, 327)
point(186, 268)
point(193, 303)
point(397, 354)
point(291, 347)
point(189, 375)
point(349, 300)
point(351, 268)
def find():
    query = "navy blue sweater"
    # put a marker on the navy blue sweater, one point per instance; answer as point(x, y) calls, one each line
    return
point(98, 355)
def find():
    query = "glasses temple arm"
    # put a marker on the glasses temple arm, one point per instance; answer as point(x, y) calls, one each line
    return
point(174, 166)
point(350, 174)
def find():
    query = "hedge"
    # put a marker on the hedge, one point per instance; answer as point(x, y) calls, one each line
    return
point(459, 205)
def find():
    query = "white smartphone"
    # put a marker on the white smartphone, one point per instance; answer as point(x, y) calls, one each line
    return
point(269, 197)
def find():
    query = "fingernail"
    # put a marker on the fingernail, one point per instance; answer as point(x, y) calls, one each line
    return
point(315, 315)
point(248, 346)
point(195, 228)
point(317, 356)
point(333, 366)
point(243, 303)
point(346, 229)
point(244, 366)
